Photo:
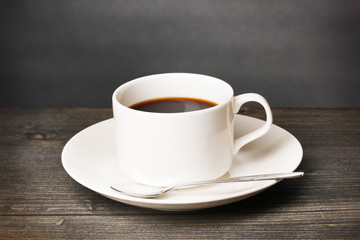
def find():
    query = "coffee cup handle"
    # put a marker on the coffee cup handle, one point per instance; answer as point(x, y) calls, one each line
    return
point(238, 102)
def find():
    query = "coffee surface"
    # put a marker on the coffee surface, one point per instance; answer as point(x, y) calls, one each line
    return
point(172, 105)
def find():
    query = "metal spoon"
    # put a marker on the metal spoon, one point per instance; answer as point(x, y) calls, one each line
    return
point(146, 191)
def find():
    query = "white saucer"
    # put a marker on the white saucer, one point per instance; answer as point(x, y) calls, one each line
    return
point(90, 159)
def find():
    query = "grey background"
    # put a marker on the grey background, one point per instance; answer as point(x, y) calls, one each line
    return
point(74, 53)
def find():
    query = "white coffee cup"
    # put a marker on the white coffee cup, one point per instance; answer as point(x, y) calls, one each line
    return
point(168, 148)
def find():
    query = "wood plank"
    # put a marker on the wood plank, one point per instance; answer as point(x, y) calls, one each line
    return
point(329, 225)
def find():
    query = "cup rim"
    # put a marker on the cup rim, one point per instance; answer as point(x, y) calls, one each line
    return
point(143, 78)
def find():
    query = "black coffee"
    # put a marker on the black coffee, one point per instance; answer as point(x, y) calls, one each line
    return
point(172, 105)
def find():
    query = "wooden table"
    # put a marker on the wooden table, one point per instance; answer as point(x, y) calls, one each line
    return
point(38, 199)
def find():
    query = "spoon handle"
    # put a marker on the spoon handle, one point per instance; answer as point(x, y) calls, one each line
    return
point(261, 177)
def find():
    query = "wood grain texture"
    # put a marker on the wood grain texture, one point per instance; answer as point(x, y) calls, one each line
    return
point(39, 200)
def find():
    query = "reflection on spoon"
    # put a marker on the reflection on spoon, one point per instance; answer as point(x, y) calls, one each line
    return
point(146, 191)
